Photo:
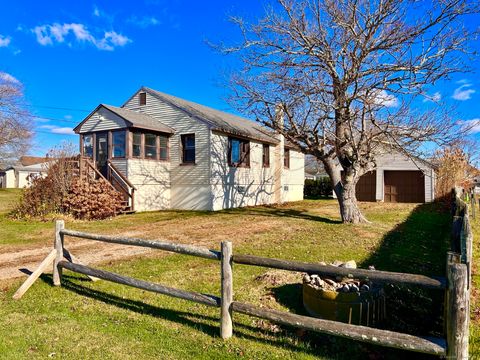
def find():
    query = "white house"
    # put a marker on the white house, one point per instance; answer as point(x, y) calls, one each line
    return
point(176, 154)
point(20, 174)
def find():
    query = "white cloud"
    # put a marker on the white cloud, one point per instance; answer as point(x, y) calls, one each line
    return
point(68, 117)
point(381, 97)
point(58, 129)
point(48, 34)
point(464, 91)
point(144, 21)
point(96, 11)
point(5, 40)
point(472, 125)
point(436, 97)
point(5, 77)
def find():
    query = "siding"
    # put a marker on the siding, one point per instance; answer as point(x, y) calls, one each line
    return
point(191, 182)
point(255, 185)
point(102, 120)
point(121, 165)
point(239, 186)
point(293, 178)
point(152, 180)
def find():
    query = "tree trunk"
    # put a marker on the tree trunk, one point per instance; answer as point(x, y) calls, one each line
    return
point(349, 210)
point(344, 187)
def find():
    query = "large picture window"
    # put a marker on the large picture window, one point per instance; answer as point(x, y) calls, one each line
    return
point(137, 144)
point(239, 152)
point(188, 148)
point(118, 144)
point(150, 146)
point(88, 146)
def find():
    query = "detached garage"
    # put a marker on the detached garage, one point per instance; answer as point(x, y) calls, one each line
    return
point(398, 179)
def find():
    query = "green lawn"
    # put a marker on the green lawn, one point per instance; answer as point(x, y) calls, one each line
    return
point(108, 321)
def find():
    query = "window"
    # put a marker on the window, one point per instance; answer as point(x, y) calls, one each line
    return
point(150, 146)
point(239, 152)
point(88, 145)
point(286, 158)
point(137, 144)
point(142, 98)
point(163, 147)
point(266, 155)
point(188, 148)
point(118, 144)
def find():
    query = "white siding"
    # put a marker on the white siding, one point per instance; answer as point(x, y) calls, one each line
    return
point(152, 180)
point(255, 185)
point(189, 182)
point(103, 120)
point(293, 178)
point(239, 186)
point(10, 179)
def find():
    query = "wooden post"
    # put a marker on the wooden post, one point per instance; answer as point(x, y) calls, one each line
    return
point(226, 327)
point(457, 312)
point(58, 243)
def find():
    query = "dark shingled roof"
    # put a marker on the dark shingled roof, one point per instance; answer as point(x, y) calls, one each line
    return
point(216, 119)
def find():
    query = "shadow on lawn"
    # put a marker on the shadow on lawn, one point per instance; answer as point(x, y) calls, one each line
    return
point(276, 211)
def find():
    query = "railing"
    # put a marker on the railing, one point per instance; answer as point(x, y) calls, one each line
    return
point(123, 184)
point(455, 285)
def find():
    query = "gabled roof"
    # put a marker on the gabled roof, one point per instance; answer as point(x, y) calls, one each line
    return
point(31, 160)
point(216, 119)
point(132, 118)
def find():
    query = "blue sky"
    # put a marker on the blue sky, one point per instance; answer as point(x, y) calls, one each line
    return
point(74, 55)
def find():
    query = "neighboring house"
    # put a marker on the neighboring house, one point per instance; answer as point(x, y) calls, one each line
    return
point(181, 155)
point(20, 174)
point(398, 178)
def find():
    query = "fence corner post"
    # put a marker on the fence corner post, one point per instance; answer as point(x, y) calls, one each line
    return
point(457, 312)
point(226, 325)
point(58, 244)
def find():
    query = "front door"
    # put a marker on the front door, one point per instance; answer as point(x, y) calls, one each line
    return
point(101, 155)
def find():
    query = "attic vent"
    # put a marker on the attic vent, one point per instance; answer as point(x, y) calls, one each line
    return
point(143, 99)
point(285, 188)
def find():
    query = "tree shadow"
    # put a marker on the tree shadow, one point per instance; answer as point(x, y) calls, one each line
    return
point(273, 211)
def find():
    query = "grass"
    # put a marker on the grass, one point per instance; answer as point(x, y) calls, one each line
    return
point(104, 320)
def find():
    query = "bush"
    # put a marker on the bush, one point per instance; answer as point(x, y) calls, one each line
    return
point(61, 191)
point(315, 189)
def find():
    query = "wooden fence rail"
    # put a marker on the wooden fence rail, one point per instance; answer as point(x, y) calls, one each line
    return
point(455, 285)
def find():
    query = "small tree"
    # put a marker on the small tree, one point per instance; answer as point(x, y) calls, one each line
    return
point(341, 79)
point(15, 120)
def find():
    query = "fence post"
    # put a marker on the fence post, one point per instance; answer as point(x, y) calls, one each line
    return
point(458, 313)
point(58, 244)
point(226, 326)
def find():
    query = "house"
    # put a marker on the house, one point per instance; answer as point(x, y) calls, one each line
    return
point(398, 178)
point(176, 154)
point(20, 174)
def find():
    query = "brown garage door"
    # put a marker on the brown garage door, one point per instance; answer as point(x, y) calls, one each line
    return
point(366, 187)
point(404, 186)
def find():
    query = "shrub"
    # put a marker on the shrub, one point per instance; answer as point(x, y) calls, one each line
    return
point(315, 189)
point(92, 200)
point(60, 191)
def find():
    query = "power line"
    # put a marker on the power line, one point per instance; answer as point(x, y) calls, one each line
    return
point(58, 108)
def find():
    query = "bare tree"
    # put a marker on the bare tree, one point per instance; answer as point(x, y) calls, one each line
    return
point(15, 121)
point(342, 79)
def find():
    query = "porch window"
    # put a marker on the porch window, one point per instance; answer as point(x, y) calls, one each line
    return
point(150, 146)
point(118, 144)
point(137, 144)
point(188, 148)
point(266, 155)
point(163, 147)
point(88, 145)
point(239, 152)
point(286, 158)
